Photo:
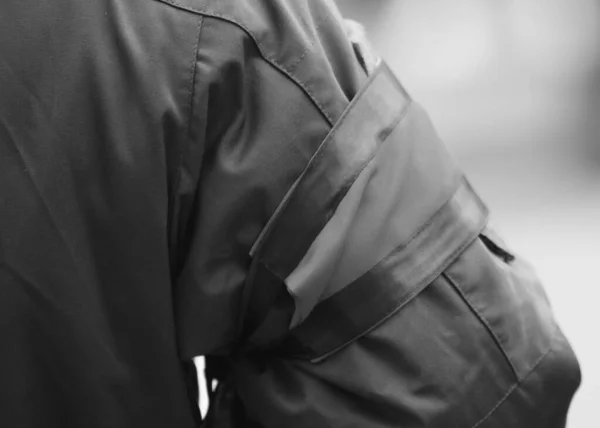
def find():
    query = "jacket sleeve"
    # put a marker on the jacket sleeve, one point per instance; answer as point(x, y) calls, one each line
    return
point(336, 254)
point(407, 309)
point(255, 126)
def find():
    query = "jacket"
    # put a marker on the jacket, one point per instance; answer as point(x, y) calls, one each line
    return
point(233, 179)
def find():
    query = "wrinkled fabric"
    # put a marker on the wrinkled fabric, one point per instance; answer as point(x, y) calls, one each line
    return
point(242, 180)
point(439, 324)
point(143, 146)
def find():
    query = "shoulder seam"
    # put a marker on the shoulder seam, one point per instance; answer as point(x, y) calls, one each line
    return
point(192, 83)
point(286, 71)
point(188, 124)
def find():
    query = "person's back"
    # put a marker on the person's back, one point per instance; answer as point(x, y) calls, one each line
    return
point(103, 129)
point(94, 107)
point(158, 160)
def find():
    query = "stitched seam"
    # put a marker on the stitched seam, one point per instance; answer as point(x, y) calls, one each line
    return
point(353, 178)
point(267, 58)
point(329, 214)
point(428, 280)
point(343, 189)
point(319, 153)
point(294, 64)
point(193, 71)
point(483, 321)
point(463, 182)
point(423, 228)
point(513, 388)
point(191, 82)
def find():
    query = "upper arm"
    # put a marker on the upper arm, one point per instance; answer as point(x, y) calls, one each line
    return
point(257, 120)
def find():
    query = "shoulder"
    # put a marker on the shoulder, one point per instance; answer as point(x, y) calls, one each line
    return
point(305, 40)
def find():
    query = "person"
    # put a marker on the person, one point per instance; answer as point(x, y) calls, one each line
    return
point(241, 180)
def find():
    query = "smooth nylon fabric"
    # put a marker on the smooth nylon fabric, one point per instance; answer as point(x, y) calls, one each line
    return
point(447, 329)
point(393, 281)
point(94, 106)
point(145, 145)
point(364, 229)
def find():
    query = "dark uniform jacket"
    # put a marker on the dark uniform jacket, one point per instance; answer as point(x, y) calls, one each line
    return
point(231, 178)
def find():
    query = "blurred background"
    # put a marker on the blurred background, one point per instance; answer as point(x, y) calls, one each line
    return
point(513, 87)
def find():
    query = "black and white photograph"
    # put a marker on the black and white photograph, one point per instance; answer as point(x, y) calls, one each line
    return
point(299, 213)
